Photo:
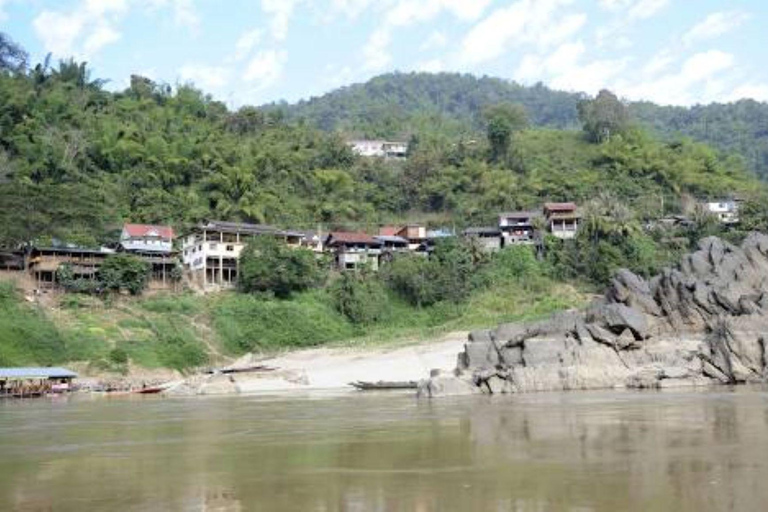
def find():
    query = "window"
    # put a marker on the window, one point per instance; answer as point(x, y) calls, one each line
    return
point(230, 248)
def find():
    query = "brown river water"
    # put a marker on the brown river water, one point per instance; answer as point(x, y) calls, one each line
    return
point(582, 451)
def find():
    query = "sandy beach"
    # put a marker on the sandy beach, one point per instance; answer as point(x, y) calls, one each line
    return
point(335, 368)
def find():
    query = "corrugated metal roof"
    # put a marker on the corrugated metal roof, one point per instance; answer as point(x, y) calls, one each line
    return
point(248, 229)
point(351, 238)
point(519, 215)
point(391, 239)
point(36, 372)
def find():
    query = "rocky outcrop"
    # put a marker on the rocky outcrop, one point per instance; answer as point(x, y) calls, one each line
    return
point(705, 321)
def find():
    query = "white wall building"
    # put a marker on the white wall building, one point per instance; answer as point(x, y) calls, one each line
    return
point(211, 251)
point(727, 212)
point(379, 148)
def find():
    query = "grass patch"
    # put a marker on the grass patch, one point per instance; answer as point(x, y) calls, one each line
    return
point(246, 323)
point(26, 335)
point(180, 304)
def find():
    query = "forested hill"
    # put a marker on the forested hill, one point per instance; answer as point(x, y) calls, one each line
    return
point(398, 104)
point(77, 160)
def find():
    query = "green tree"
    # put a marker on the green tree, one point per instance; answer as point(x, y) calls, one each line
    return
point(502, 121)
point(124, 272)
point(268, 265)
point(603, 117)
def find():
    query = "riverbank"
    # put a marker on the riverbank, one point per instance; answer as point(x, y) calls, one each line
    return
point(330, 368)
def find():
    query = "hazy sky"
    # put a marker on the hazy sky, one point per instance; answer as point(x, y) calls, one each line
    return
point(250, 52)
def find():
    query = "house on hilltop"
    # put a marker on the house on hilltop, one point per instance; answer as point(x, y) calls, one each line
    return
point(379, 148)
point(726, 211)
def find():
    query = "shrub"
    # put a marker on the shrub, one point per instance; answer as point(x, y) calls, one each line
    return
point(246, 323)
point(124, 272)
point(267, 265)
point(449, 274)
point(360, 297)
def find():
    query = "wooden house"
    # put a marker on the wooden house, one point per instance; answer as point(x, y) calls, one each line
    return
point(44, 263)
point(562, 219)
point(416, 235)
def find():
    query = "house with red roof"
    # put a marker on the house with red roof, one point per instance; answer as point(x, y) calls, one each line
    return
point(154, 245)
point(147, 238)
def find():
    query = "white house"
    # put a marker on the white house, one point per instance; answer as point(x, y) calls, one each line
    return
point(154, 245)
point(379, 148)
point(727, 211)
point(146, 238)
point(211, 251)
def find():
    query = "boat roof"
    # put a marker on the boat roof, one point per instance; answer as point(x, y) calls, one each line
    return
point(32, 372)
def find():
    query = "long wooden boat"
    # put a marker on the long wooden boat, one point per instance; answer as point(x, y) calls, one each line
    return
point(258, 368)
point(150, 390)
point(384, 385)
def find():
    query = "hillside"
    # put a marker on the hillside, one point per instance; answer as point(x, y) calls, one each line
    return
point(399, 104)
point(77, 161)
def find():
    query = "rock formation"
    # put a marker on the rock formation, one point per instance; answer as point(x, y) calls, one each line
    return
point(705, 321)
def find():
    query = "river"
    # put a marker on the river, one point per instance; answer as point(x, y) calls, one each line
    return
point(581, 451)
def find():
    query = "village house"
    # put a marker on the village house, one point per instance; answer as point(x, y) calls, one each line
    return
point(415, 234)
point(390, 246)
point(211, 251)
point(726, 211)
point(312, 240)
point(154, 245)
point(45, 262)
point(517, 227)
point(562, 219)
point(489, 239)
point(354, 250)
point(379, 148)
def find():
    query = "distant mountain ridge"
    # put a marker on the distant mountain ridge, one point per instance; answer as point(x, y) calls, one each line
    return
point(398, 104)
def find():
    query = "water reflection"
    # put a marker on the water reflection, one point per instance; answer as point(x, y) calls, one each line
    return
point(551, 452)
